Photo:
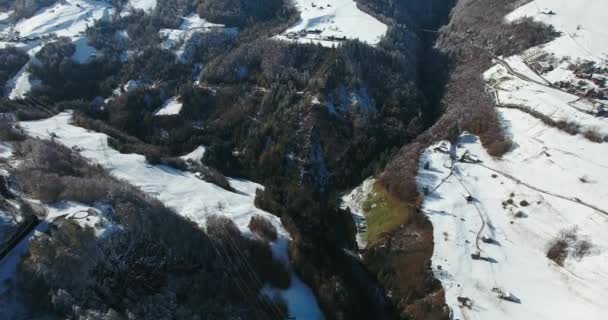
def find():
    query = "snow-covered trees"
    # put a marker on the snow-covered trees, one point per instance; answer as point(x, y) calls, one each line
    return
point(153, 263)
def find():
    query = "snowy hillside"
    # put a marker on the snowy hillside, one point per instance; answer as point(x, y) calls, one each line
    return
point(354, 202)
point(182, 191)
point(497, 221)
point(146, 5)
point(583, 24)
point(69, 18)
point(170, 107)
point(328, 22)
point(180, 39)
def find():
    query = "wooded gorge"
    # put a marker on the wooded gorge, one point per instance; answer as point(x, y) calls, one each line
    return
point(306, 121)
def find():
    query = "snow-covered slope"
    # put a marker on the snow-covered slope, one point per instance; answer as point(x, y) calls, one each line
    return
point(551, 183)
point(21, 83)
point(10, 305)
point(64, 18)
point(182, 191)
point(145, 5)
point(583, 24)
point(69, 18)
point(181, 39)
point(550, 101)
point(354, 202)
point(196, 155)
point(169, 108)
point(330, 21)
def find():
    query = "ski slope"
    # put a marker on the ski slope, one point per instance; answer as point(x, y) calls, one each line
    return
point(182, 191)
point(550, 182)
point(327, 22)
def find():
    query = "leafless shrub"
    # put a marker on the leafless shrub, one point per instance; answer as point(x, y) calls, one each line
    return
point(174, 162)
point(500, 147)
point(520, 214)
point(82, 120)
point(240, 252)
point(558, 251)
point(581, 249)
point(569, 127)
point(566, 126)
point(87, 190)
point(594, 135)
point(399, 176)
point(567, 243)
point(52, 172)
point(569, 235)
point(529, 33)
point(120, 141)
point(9, 132)
point(51, 157)
point(42, 186)
point(153, 256)
point(222, 229)
point(214, 176)
point(262, 228)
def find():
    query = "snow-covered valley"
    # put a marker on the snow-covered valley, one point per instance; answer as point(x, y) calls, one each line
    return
point(498, 220)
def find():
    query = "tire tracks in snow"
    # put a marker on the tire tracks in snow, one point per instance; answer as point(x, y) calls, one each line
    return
point(571, 199)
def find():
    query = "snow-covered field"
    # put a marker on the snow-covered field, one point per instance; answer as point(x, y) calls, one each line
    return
point(327, 22)
point(582, 22)
point(179, 39)
point(68, 18)
point(557, 105)
point(550, 182)
point(182, 191)
point(169, 108)
point(146, 5)
point(196, 155)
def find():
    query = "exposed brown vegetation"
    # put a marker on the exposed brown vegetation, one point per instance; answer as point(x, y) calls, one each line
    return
point(567, 243)
point(120, 141)
point(9, 131)
point(401, 261)
point(558, 250)
point(262, 228)
point(258, 253)
point(569, 127)
point(53, 172)
point(475, 33)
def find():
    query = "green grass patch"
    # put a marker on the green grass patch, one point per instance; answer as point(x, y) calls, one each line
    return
point(384, 213)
